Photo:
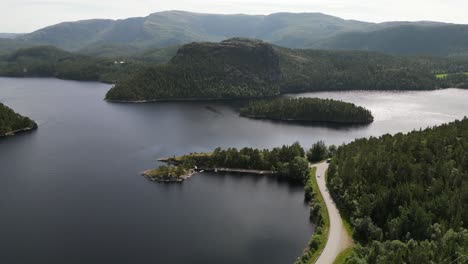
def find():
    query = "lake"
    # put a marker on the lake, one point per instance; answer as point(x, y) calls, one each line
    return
point(71, 192)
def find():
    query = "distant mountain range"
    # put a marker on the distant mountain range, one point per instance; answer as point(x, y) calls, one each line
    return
point(294, 30)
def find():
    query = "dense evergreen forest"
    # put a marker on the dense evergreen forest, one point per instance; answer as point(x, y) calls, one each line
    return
point(48, 61)
point(11, 121)
point(405, 195)
point(320, 70)
point(307, 109)
point(235, 68)
point(286, 161)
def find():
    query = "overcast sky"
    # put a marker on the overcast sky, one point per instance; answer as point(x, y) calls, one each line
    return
point(29, 15)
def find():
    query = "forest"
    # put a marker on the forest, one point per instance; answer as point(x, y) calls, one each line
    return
point(307, 109)
point(453, 80)
point(406, 195)
point(11, 121)
point(320, 70)
point(48, 61)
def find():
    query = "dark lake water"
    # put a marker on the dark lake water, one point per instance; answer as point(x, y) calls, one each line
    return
point(70, 192)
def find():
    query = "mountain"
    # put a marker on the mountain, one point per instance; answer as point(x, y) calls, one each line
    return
point(131, 36)
point(177, 27)
point(406, 39)
point(10, 45)
point(10, 35)
point(235, 68)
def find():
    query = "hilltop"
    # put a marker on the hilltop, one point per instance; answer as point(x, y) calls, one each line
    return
point(235, 68)
point(293, 30)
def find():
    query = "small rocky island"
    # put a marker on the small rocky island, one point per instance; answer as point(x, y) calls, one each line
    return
point(12, 123)
point(308, 110)
point(169, 174)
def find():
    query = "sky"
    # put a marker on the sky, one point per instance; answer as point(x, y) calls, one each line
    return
point(22, 16)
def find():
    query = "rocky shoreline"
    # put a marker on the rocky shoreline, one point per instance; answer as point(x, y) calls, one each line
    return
point(149, 174)
point(18, 131)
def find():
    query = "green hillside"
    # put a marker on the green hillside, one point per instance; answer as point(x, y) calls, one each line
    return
point(48, 61)
point(319, 70)
point(177, 27)
point(236, 68)
point(11, 121)
point(406, 195)
point(441, 40)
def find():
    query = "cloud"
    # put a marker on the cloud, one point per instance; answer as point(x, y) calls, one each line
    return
point(29, 15)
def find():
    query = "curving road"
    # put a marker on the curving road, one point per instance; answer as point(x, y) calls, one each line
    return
point(338, 238)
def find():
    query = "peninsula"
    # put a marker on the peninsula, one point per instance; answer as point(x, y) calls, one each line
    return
point(287, 161)
point(12, 123)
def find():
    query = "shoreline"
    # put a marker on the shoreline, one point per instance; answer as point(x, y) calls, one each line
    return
point(306, 120)
point(188, 99)
point(18, 131)
point(180, 179)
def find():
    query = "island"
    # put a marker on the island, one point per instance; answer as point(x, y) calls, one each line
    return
point(307, 109)
point(286, 162)
point(12, 123)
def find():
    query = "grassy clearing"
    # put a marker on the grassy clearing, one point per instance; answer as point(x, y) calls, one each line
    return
point(444, 75)
point(319, 215)
point(340, 259)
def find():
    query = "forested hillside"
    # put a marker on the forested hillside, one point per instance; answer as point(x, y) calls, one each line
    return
point(307, 109)
point(320, 70)
point(11, 121)
point(410, 39)
point(169, 28)
point(406, 195)
point(236, 68)
point(48, 61)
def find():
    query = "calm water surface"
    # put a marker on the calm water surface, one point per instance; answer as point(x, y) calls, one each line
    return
point(71, 191)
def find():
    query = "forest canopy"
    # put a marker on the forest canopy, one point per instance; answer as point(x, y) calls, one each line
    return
point(307, 109)
point(405, 195)
point(11, 121)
